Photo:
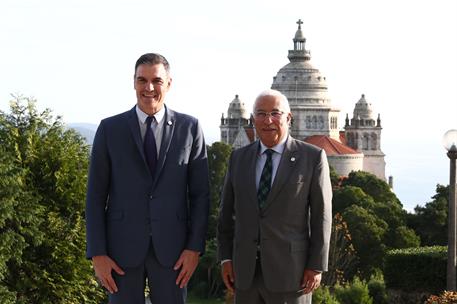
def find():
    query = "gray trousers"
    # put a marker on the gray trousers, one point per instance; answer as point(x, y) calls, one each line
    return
point(259, 294)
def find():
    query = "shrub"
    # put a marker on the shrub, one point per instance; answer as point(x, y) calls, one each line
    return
point(377, 288)
point(447, 297)
point(416, 269)
point(357, 292)
point(322, 295)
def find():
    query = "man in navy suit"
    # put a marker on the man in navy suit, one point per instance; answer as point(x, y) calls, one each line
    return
point(148, 194)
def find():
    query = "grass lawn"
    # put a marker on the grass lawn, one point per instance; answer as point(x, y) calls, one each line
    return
point(194, 300)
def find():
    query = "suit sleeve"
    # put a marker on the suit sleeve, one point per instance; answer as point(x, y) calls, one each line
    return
point(226, 221)
point(321, 215)
point(198, 192)
point(97, 195)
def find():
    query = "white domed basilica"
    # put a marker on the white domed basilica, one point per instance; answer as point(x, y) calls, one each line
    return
point(315, 120)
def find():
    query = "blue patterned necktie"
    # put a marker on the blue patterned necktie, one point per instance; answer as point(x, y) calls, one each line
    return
point(149, 146)
point(265, 179)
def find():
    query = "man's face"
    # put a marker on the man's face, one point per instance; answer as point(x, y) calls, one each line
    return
point(271, 120)
point(151, 84)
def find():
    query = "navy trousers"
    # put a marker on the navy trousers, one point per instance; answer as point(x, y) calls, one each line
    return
point(161, 281)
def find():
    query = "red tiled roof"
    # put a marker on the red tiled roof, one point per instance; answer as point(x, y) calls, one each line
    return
point(331, 146)
point(343, 138)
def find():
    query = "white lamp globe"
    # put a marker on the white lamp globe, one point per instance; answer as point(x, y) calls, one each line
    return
point(450, 140)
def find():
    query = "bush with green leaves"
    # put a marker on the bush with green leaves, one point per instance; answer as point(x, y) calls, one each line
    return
point(416, 269)
point(322, 295)
point(377, 288)
point(356, 292)
point(43, 176)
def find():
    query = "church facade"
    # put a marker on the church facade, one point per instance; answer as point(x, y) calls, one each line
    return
point(314, 119)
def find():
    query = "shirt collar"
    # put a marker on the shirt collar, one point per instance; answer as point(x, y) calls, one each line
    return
point(142, 116)
point(279, 148)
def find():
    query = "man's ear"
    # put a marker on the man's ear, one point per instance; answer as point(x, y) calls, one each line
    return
point(289, 118)
point(169, 82)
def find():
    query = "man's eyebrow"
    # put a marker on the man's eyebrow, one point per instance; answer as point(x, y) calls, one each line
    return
point(273, 110)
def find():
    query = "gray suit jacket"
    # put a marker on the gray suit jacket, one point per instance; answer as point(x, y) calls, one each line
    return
point(292, 231)
point(126, 208)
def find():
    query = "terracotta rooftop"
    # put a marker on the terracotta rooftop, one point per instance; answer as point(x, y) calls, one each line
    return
point(343, 138)
point(331, 146)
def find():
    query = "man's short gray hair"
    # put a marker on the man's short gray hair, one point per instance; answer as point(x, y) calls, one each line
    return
point(273, 93)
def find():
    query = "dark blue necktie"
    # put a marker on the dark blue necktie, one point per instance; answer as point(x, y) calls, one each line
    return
point(149, 146)
point(265, 179)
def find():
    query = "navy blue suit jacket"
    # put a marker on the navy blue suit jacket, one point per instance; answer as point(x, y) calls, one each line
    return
point(126, 207)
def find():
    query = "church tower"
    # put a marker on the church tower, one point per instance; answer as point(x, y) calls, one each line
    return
point(306, 89)
point(363, 133)
point(234, 127)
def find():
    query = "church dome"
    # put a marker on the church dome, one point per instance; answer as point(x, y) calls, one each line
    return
point(363, 109)
point(237, 109)
point(301, 82)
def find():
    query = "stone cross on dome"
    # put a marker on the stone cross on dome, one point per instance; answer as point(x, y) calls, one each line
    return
point(299, 22)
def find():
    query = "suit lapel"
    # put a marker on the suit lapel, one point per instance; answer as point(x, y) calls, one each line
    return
point(289, 159)
point(251, 162)
point(132, 119)
point(168, 129)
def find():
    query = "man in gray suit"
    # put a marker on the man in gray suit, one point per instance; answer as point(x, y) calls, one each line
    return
point(275, 218)
point(148, 195)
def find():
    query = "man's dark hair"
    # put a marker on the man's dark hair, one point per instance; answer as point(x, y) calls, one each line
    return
point(153, 58)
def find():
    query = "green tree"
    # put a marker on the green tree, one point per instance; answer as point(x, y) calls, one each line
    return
point(218, 156)
point(207, 281)
point(42, 225)
point(367, 231)
point(430, 222)
point(378, 189)
point(342, 260)
point(384, 214)
point(347, 196)
point(334, 177)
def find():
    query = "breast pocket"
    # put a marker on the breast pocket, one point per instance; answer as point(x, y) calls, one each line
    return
point(184, 155)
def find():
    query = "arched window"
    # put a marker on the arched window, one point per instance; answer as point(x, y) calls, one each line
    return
point(374, 141)
point(365, 141)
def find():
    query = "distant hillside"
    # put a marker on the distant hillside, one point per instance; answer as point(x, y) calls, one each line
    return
point(86, 130)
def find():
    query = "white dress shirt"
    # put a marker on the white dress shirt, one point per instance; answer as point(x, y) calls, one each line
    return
point(275, 157)
point(156, 125)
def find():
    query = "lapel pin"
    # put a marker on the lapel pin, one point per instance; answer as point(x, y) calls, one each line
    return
point(169, 122)
point(292, 159)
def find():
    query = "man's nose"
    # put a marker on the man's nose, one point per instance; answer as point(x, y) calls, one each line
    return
point(268, 119)
point(150, 86)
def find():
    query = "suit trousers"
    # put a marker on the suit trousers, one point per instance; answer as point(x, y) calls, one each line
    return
point(161, 281)
point(259, 294)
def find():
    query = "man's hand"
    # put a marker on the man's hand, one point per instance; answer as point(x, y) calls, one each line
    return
point(228, 276)
point(188, 261)
point(311, 280)
point(103, 266)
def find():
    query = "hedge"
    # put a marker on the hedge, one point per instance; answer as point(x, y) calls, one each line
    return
point(420, 269)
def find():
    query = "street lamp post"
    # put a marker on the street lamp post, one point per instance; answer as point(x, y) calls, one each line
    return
point(450, 143)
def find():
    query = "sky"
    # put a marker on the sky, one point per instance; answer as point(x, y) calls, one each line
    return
point(77, 58)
